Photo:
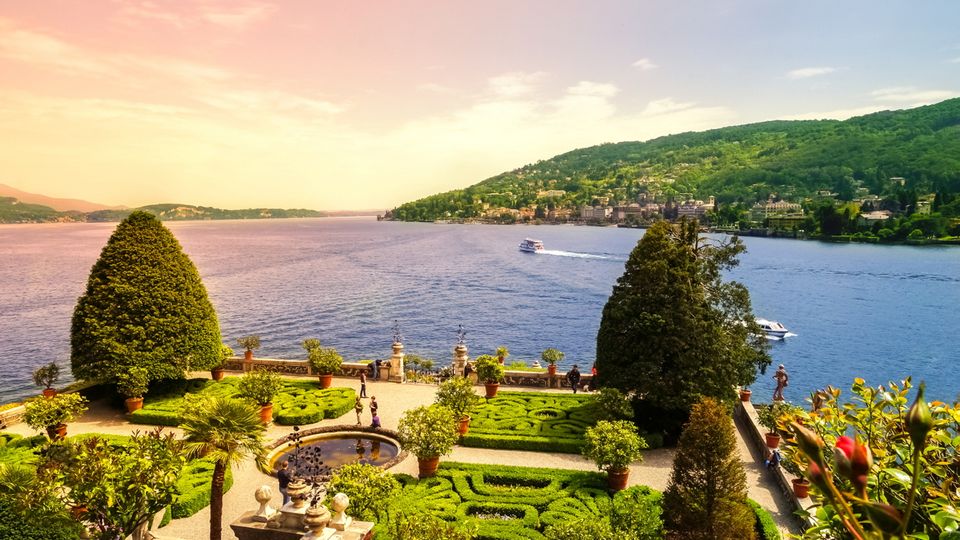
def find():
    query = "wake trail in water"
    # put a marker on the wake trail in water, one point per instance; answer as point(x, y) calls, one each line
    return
point(561, 253)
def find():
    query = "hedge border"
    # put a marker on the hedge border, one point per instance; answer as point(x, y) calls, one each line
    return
point(766, 527)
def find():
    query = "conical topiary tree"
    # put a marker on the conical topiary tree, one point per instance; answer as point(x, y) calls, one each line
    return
point(144, 306)
point(707, 494)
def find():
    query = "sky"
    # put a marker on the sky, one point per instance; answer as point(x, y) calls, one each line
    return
point(353, 104)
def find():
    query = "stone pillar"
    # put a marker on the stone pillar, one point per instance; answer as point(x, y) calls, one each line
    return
point(396, 364)
point(460, 359)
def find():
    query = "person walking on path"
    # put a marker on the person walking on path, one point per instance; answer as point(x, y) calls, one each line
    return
point(573, 377)
point(373, 406)
point(363, 384)
point(358, 407)
point(283, 477)
point(781, 377)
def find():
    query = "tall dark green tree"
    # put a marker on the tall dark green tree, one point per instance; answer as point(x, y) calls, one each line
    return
point(144, 306)
point(673, 330)
point(707, 494)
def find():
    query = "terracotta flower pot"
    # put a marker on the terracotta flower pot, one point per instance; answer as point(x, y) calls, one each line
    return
point(500, 359)
point(773, 440)
point(552, 369)
point(49, 392)
point(266, 413)
point(745, 395)
point(617, 480)
point(134, 404)
point(491, 389)
point(217, 373)
point(57, 432)
point(326, 380)
point(428, 466)
point(463, 425)
point(801, 488)
point(248, 356)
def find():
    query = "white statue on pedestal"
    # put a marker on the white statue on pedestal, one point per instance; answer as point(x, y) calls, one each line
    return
point(263, 494)
point(340, 519)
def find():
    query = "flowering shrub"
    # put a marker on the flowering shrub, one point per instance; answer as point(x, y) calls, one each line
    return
point(613, 446)
point(880, 469)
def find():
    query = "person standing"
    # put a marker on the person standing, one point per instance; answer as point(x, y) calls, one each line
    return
point(593, 378)
point(781, 377)
point(358, 407)
point(573, 377)
point(373, 406)
point(363, 384)
point(375, 423)
point(283, 477)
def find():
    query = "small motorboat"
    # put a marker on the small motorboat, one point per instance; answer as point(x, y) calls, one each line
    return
point(772, 329)
point(529, 245)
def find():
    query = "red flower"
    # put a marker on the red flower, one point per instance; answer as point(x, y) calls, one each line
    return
point(853, 460)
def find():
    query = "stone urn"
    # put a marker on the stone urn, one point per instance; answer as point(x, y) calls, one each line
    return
point(340, 520)
point(316, 519)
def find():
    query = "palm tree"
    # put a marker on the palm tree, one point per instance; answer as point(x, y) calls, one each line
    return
point(228, 431)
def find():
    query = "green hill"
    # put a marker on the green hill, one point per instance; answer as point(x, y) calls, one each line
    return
point(792, 160)
point(14, 211)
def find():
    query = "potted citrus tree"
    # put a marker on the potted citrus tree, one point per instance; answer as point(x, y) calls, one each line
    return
point(613, 446)
point(250, 343)
point(53, 413)
point(490, 372)
point(428, 432)
point(551, 357)
point(745, 394)
point(261, 386)
point(456, 393)
point(216, 372)
point(47, 376)
point(768, 416)
point(132, 384)
point(325, 361)
point(502, 354)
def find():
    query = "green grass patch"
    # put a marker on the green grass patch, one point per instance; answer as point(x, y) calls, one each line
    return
point(300, 402)
point(537, 421)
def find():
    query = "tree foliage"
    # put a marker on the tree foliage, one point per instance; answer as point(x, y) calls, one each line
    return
point(707, 494)
point(368, 487)
point(144, 306)
point(672, 330)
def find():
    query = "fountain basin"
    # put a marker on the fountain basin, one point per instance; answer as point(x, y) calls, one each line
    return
point(322, 450)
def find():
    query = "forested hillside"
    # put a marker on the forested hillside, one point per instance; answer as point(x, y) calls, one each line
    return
point(14, 211)
point(790, 160)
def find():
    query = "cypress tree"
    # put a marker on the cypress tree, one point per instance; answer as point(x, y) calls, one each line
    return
point(673, 331)
point(144, 306)
point(707, 494)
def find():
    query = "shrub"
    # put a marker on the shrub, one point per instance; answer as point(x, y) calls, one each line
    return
point(133, 382)
point(25, 524)
point(613, 446)
point(489, 369)
point(428, 432)
point(368, 487)
point(581, 529)
point(457, 394)
point(194, 487)
point(636, 513)
point(766, 528)
point(769, 415)
point(612, 404)
point(310, 344)
point(260, 386)
point(551, 356)
point(46, 376)
point(325, 360)
point(533, 421)
point(250, 343)
point(43, 412)
point(427, 527)
point(707, 493)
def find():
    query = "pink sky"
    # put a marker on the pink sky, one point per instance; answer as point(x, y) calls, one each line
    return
point(351, 104)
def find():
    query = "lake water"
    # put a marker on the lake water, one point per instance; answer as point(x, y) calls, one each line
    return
point(878, 312)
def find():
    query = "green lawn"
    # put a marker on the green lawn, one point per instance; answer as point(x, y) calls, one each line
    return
point(531, 421)
point(300, 402)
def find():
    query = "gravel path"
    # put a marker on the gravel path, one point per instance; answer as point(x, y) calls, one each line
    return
point(393, 399)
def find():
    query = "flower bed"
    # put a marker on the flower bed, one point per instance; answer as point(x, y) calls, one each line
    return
point(299, 403)
point(531, 421)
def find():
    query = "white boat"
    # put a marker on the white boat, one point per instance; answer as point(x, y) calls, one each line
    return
point(530, 245)
point(772, 329)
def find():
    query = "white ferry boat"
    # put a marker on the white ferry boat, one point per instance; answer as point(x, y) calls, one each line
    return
point(530, 245)
point(772, 329)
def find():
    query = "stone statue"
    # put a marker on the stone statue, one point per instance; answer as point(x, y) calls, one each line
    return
point(397, 336)
point(461, 335)
point(340, 519)
point(263, 494)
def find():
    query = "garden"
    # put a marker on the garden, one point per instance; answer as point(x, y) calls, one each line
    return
point(298, 402)
point(533, 421)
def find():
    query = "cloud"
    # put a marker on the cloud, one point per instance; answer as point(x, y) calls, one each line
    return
point(514, 84)
point(954, 60)
point(912, 95)
point(665, 106)
point(589, 88)
point(233, 15)
point(644, 64)
point(434, 88)
point(806, 73)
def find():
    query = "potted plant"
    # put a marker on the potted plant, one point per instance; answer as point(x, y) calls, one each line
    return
point(457, 395)
point(768, 416)
point(325, 362)
point(261, 386)
point(490, 372)
point(428, 432)
point(54, 413)
point(250, 343)
point(502, 354)
point(132, 384)
point(47, 376)
point(216, 372)
point(551, 357)
point(613, 446)
point(745, 394)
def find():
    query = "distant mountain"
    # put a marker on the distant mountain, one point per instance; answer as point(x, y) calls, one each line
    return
point(12, 210)
point(888, 154)
point(60, 205)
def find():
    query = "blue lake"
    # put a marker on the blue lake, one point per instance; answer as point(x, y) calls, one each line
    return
point(878, 312)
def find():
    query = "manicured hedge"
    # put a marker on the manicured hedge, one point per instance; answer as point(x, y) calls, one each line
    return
point(194, 487)
point(538, 421)
point(19, 451)
point(766, 528)
point(300, 402)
